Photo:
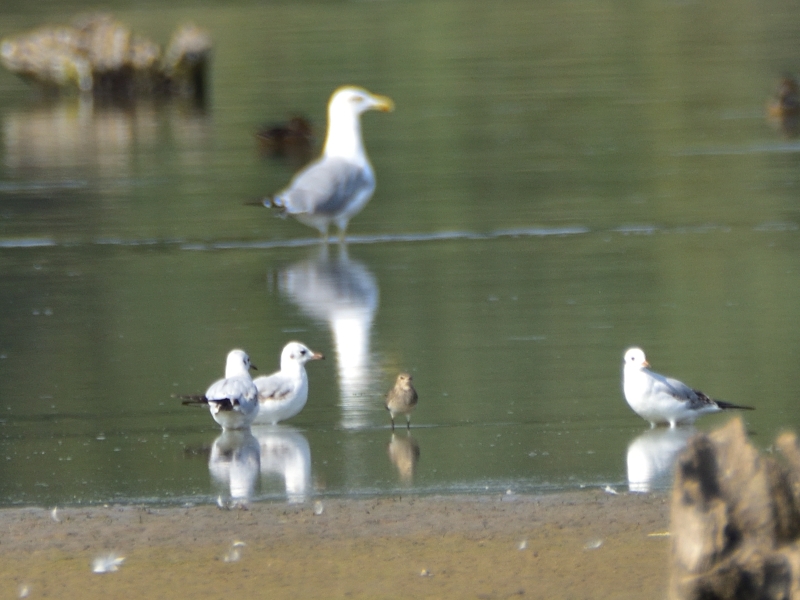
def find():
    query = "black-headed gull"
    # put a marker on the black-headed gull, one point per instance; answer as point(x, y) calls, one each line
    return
point(336, 186)
point(402, 398)
point(661, 399)
point(283, 394)
point(233, 401)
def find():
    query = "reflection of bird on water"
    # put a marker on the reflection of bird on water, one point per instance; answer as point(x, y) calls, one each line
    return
point(234, 464)
point(784, 108)
point(285, 452)
point(404, 454)
point(233, 401)
point(402, 398)
point(343, 294)
point(661, 399)
point(651, 457)
point(339, 184)
point(293, 140)
point(284, 393)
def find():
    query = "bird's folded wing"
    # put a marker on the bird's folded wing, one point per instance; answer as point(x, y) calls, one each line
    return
point(273, 388)
point(221, 403)
point(675, 388)
point(702, 400)
point(325, 187)
point(224, 403)
point(232, 388)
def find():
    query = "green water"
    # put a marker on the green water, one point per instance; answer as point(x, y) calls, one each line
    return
point(558, 182)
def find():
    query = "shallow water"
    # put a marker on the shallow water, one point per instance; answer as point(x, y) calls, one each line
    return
point(556, 184)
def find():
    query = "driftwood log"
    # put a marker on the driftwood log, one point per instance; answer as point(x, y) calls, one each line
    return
point(735, 520)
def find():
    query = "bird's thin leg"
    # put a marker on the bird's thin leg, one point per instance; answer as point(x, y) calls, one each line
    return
point(408, 422)
point(392, 417)
point(342, 237)
point(324, 235)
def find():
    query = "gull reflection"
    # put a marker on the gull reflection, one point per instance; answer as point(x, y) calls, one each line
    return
point(404, 454)
point(285, 452)
point(652, 456)
point(234, 466)
point(344, 294)
point(65, 133)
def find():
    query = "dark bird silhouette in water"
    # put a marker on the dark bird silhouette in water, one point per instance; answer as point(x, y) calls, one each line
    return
point(293, 140)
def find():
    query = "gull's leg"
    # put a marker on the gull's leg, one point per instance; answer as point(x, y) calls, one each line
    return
point(408, 422)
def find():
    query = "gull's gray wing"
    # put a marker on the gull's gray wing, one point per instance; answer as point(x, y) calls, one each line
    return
point(325, 187)
point(274, 387)
point(695, 398)
point(680, 391)
point(234, 389)
point(672, 387)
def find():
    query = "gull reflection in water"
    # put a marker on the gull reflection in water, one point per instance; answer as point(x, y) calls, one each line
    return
point(344, 294)
point(652, 456)
point(234, 465)
point(285, 452)
point(404, 454)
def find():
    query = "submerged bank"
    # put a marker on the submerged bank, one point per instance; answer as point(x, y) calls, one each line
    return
point(571, 545)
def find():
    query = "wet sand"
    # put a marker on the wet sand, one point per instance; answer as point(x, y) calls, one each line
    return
point(575, 545)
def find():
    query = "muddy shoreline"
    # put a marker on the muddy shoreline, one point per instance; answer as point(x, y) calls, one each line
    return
point(585, 544)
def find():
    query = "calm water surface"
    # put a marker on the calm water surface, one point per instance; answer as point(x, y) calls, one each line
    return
point(558, 182)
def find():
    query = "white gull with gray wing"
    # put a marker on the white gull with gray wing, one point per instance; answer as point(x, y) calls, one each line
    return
point(284, 394)
point(336, 186)
point(661, 399)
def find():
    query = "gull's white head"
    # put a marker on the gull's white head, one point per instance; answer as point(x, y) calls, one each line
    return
point(355, 101)
point(238, 364)
point(635, 359)
point(344, 124)
point(295, 353)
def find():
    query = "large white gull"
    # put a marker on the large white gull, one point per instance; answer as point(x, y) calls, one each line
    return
point(661, 399)
point(233, 401)
point(284, 394)
point(337, 185)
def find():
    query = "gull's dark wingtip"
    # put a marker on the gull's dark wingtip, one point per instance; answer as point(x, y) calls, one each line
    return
point(730, 405)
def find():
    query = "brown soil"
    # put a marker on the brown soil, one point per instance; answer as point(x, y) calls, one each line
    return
point(576, 545)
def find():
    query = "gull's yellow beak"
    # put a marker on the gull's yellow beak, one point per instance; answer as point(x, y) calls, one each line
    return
point(383, 103)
